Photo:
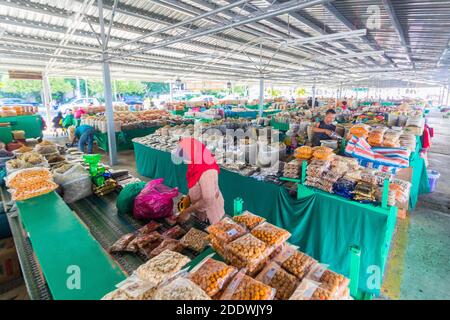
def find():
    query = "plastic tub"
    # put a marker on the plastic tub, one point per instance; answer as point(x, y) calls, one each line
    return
point(433, 177)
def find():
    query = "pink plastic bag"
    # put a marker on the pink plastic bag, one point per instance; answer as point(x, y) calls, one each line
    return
point(154, 201)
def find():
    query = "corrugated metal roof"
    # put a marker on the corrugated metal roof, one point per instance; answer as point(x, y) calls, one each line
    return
point(415, 48)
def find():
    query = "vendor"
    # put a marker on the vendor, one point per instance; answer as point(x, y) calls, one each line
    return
point(324, 129)
point(203, 182)
point(80, 112)
point(85, 135)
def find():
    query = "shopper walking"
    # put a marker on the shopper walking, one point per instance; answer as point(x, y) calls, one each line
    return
point(57, 123)
point(203, 182)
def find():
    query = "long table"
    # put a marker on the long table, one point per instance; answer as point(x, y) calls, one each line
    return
point(123, 138)
point(73, 263)
point(322, 225)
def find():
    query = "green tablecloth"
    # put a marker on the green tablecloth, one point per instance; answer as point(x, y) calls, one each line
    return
point(31, 124)
point(322, 225)
point(420, 184)
point(64, 248)
point(123, 138)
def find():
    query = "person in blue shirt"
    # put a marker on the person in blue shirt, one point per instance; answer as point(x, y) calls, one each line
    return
point(85, 135)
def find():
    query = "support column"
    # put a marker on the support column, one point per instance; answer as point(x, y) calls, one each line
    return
point(171, 91)
point(86, 87)
point(261, 96)
point(448, 95)
point(78, 92)
point(47, 94)
point(115, 90)
point(313, 103)
point(108, 91)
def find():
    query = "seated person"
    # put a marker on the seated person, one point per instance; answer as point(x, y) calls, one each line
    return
point(85, 135)
point(324, 129)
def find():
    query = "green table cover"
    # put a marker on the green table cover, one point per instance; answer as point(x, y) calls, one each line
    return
point(123, 138)
point(6, 135)
point(322, 225)
point(420, 184)
point(61, 241)
point(31, 124)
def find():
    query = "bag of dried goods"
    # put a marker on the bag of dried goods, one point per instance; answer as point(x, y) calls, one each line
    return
point(212, 275)
point(77, 189)
point(401, 189)
point(167, 244)
point(365, 192)
point(46, 148)
point(149, 227)
point(283, 282)
point(310, 290)
point(248, 219)
point(392, 139)
point(14, 165)
point(33, 159)
point(122, 242)
point(242, 287)
point(303, 153)
point(180, 289)
point(322, 153)
point(134, 288)
point(270, 234)
point(125, 200)
point(24, 177)
point(360, 130)
point(295, 262)
point(175, 232)
point(32, 190)
point(162, 267)
point(22, 149)
point(329, 280)
point(375, 138)
point(226, 230)
point(195, 240)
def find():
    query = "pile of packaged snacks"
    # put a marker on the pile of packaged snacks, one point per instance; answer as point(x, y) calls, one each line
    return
point(376, 135)
point(23, 149)
point(32, 158)
point(243, 287)
point(408, 141)
point(401, 189)
point(223, 232)
point(180, 289)
point(329, 280)
point(122, 243)
point(195, 240)
point(132, 288)
point(292, 169)
point(212, 275)
point(344, 188)
point(295, 262)
point(249, 220)
point(392, 139)
point(277, 278)
point(303, 153)
point(310, 290)
point(167, 244)
point(360, 130)
point(322, 153)
point(365, 192)
point(175, 232)
point(30, 183)
point(162, 267)
point(270, 234)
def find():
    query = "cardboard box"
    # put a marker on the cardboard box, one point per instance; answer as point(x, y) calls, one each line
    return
point(9, 262)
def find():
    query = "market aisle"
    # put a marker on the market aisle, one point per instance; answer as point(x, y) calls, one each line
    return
point(427, 252)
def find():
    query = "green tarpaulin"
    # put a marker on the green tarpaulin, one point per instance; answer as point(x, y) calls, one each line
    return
point(74, 264)
point(322, 225)
point(123, 138)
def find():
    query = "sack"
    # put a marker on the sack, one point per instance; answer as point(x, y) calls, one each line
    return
point(154, 201)
point(76, 183)
point(125, 200)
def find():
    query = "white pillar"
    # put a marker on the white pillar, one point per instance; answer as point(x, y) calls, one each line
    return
point(47, 94)
point(313, 102)
point(108, 91)
point(448, 95)
point(261, 96)
point(86, 87)
point(78, 91)
point(115, 90)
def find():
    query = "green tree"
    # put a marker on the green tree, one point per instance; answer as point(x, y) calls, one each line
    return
point(157, 88)
point(95, 88)
point(300, 92)
point(274, 93)
point(130, 87)
point(60, 87)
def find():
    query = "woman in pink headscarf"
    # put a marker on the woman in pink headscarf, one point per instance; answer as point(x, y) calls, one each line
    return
point(203, 182)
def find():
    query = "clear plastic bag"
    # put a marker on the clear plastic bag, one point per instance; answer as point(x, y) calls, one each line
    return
point(310, 290)
point(242, 287)
point(46, 147)
point(149, 227)
point(25, 177)
point(212, 275)
point(270, 234)
point(77, 189)
point(249, 220)
point(226, 230)
point(180, 288)
point(33, 158)
point(175, 232)
point(295, 262)
point(135, 288)
point(329, 280)
point(279, 279)
point(68, 173)
point(195, 240)
point(167, 244)
point(122, 242)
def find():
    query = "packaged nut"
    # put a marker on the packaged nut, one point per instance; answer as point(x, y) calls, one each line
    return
point(271, 234)
point(149, 227)
point(226, 230)
point(195, 240)
point(175, 232)
point(180, 289)
point(310, 290)
point(122, 243)
point(248, 219)
point(274, 276)
point(162, 267)
point(329, 280)
point(170, 244)
point(136, 289)
point(217, 246)
point(295, 262)
point(212, 275)
point(243, 287)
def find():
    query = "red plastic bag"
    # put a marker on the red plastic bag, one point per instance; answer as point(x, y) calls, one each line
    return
point(154, 201)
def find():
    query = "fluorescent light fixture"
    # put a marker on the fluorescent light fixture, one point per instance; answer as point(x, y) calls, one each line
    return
point(329, 37)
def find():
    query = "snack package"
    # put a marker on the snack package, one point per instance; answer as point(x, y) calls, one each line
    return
point(135, 288)
point(147, 249)
point(162, 267)
point(195, 240)
point(242, 287)
point(180, 289)
point(167, 244)
point(329, 280)
point(303, 153)
point(283, 282)
point(149, 227)
point(270, 234)
point(249, 220)
point(310, 290)
point(174, 232)
point(122, 242)
point(322, 153)
point(212, 275)
point(116, 295)
point(218, 246)
point(360, 130)
point(226, 230)
point(297, 263)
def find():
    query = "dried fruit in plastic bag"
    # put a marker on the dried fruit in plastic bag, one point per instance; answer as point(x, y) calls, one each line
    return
point(195, 240)
point(226, 230)
point(149, 227)
point(279, 279)
point(270, 234)
point(295, 262)
point(174, 232)
point(212, 275)
point(122, 243)
point(167, 244)
point(243, 287)
point(249, 220)
point(329, 280)
point(180, 289)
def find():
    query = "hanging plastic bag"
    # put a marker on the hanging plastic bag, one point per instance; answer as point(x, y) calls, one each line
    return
point(155, 201)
